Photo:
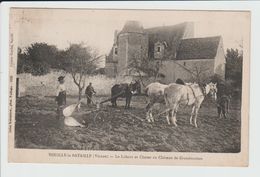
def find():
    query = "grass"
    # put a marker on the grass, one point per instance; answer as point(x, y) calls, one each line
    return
point(115, 129)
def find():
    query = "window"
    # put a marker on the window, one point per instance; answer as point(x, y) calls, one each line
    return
point(116, 51)
point(158, 49)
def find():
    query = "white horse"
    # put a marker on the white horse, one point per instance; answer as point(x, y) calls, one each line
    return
point(187, 95)
point(155, 93)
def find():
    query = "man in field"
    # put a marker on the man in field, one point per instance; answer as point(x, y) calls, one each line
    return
point(60, 96)
point(223, 99)
point(223, 106)
point(89, 93)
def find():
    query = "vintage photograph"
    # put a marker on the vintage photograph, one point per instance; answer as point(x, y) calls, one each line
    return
point(155, 81)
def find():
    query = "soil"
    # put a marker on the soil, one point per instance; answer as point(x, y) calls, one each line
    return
point(119, 129)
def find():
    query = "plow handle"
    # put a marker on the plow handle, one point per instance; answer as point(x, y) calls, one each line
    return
point(109, 99)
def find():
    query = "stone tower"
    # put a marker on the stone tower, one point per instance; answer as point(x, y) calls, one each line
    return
point(130, 44)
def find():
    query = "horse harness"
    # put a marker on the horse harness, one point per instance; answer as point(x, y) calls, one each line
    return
point(195, 97)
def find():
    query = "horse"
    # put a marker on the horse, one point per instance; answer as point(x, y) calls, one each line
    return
point(124, 90)
point(187, 95)
point(155, 94)
point(223, 99)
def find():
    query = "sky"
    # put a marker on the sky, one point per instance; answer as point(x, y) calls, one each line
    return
point(96, 28)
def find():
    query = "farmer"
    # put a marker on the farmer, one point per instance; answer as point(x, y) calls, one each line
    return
point(60, 96)
point(89, 92)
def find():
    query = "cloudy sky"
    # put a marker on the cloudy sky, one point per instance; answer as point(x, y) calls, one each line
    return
point(61, 27)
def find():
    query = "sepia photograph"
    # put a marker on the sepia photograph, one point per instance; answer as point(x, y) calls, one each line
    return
point(129, 86)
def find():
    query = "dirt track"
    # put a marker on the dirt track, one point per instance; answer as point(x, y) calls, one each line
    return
point(119, 129)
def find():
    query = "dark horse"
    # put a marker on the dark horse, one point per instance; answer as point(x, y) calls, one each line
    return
point(124, 90)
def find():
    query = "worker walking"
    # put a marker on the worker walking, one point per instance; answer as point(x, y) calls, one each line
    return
point(89, 93)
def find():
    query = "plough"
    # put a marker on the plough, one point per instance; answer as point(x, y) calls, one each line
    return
point(68, 111)
point(104, 101)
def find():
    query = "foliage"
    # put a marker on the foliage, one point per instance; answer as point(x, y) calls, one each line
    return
point(37, 59)
point(234, 66)
point(78, 60)
point(23, 65)
point(232, 84)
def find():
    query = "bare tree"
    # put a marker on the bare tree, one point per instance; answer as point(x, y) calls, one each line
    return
point(144, 67)
point(80, 61)
point(200, 73)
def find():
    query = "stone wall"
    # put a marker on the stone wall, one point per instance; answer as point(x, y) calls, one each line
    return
point(46, 85)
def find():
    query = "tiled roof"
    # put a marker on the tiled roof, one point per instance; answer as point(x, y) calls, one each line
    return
point(198, 48)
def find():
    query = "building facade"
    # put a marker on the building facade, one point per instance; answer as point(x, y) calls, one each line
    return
point(181, 55)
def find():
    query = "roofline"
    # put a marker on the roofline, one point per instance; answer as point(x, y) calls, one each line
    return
point(219, 36)
point(183, 23)
point(195, 59)
point(122, 33)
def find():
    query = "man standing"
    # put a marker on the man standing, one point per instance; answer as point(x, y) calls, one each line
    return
point(89, 92)
point(60, 96)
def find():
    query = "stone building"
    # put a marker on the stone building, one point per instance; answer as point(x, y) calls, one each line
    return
point(175, 47)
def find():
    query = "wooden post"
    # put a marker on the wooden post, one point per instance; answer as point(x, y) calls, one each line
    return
point(17, 88)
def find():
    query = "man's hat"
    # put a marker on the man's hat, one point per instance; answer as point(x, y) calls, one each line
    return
point(61, 78)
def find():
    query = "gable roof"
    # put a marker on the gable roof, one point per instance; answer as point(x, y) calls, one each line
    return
point(198, 48)
point(172, 35)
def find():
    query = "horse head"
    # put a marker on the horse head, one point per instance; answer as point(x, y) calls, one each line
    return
point(135, 87)
point(211, 89)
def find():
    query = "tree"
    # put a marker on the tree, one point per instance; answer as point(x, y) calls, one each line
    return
point(200, 73)
point(79, 61)
point(37, 59)
point(234, 66)
point(145, 67)
point(23, 64)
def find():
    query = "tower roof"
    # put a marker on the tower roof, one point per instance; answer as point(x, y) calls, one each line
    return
point(132, 27)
